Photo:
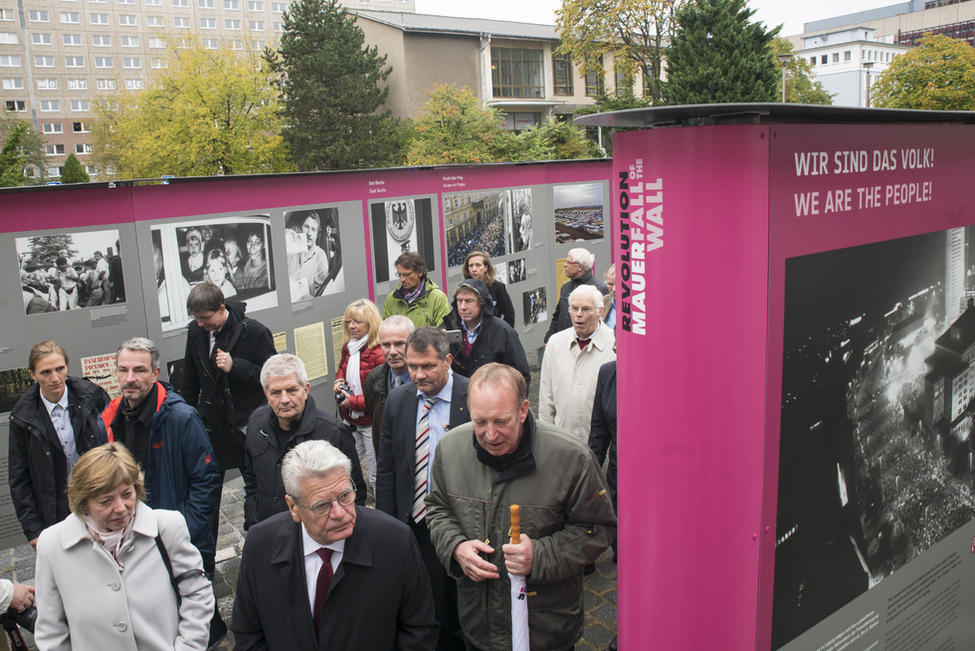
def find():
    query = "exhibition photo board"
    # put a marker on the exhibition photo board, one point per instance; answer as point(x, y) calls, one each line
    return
point(805, 410)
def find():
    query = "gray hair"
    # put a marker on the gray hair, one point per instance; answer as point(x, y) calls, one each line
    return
point(588, 291)
point(397, 321)
point(283, 365)
point(311, 460)
point(140, 344)
point(582, 257)
point(428, 337)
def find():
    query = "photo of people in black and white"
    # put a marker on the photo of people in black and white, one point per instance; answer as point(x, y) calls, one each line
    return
point(475, 222)
point(517, 271)
point(578, 212)
point(878, 398)
point(518, 219)
point(233, 253)
point(314, 253)
point(70, 271)
point(398, 226)
point(535, 307)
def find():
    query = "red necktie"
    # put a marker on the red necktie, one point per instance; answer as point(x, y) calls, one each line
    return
point(321, 588)
point(583, 342)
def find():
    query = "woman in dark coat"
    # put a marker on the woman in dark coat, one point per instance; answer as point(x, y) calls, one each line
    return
point(478, 265)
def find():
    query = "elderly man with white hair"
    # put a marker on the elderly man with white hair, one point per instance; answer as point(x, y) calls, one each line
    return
point(578, 268)
point(571, 364)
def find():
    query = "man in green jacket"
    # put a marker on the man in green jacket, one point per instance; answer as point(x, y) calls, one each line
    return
point(417, 297)
point(503, 457)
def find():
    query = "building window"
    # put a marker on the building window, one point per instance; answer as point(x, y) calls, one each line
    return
point(126, 2)
point(621, 79)
point(154, 21)
point(103, 62)
point(206, 4)
point(54, 172)
point(77, 84)
point(236, 45)
point(257, 25)
point(836, 57)
point(255, 6)
point(155, 42)
point(43, 62)
point(181, 3)
point(208, 23)
point(181, 23)
point(258, 46)
point(105, 84)
point(594, 77)
point(157, 64)
point(130, 41)
point(82, 148)
point(41, 39)
point(231, 24)
point(9, 62)
point(277, 7)
point(91, 169)
point(98, 19)
point(517, 73)
point(47, 84)
point(133, 84)
point(847, 55)
point(38, 17)
point(80, 127)
point(153, 3)
point(824, 59)
point(562, 74)
point(278, 27)
point(209, 43)
point(130, 21)
point(74, 62)
point(49, 106)
point(812, 61)
point(52, 127)
point(54, 150)
point(101, 41)
point(79, 105)
point(71, 40)
point(231, 4)
point(16, 105)
point(17, 84)
point(133, 63)
point(8, 38)
point(7, 14)
point(70, 18)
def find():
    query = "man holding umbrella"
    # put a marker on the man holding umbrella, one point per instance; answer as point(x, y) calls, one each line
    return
point(503, 457)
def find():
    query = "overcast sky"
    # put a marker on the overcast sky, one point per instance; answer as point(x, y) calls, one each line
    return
point(771, 12)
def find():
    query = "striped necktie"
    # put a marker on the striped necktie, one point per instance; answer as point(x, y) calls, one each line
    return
point(422, 474)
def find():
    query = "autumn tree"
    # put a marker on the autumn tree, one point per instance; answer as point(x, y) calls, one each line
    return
point(22, 147)
point(718, 55)
point(333, 87)
point(553, 140)
point(452, 127)
point(939, 74)
point(800, 88)
point(73, 172)
point(207, 112)
point(635, 32)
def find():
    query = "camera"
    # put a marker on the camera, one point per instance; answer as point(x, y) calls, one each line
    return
point(339, 397)
point(11, 619)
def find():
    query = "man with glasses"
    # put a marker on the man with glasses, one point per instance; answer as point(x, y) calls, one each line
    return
point(571, 364)
point(289, 419)
point(329, 574)
point(417, 297)
point(578, 269)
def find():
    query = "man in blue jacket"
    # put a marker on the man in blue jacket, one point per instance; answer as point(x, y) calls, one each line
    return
point(167, 438)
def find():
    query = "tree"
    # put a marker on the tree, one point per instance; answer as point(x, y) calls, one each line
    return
point(45, 249)
point(208, 112)
point(615, 102)
point(634, 31)
point(452, 127)
point(22, 148)
point(717, 55)
point(73, 172)
point(799, 85)
point(939, 74)
point(553, 140)
point(332, 88)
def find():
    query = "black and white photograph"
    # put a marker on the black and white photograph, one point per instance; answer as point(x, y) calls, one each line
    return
point(233, 253)
point(398, 226)
point(314, 246)
point(518, 219)
point(876, 446)
point(517, 271)
point(474, 222)
point(578, 212)
point(70, 271)
point(535, 307)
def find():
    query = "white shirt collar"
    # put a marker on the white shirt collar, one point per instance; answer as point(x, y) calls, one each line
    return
point(63, 401)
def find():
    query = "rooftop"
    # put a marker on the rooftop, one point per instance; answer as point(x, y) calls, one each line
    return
point(452, 25)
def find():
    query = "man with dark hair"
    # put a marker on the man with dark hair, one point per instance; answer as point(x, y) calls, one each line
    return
point(393, 334)
point(504, 457)
point(289, 420)
point(417, 297)
point(485, 338)
point(418, 415)
point(51, 426)
point(578, 268)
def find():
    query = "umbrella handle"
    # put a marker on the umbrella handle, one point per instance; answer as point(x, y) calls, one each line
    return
point(515, 525)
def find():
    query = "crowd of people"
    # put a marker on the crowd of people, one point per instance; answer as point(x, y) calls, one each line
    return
point(120, 497)
point(70, 284)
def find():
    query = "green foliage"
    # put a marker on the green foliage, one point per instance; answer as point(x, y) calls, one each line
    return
point(718, 55)
point(939, 74)
point(209, 112)
point(332, 88)
point(73, 172)
point(634, 31)
point(553, 140)
point(614, 102)
point(799, 85)
point(22, 147)
point(453, 128)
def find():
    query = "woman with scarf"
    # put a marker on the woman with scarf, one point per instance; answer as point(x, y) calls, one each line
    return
point(361, 353)
point(117, 574)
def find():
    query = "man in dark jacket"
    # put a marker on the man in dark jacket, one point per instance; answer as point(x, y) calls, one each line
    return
point(484, 337)
point(393, 373)
point(51, 426)
point(289, 419)
point(578, 268)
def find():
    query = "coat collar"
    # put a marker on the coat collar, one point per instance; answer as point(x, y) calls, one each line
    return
point(287, 541)
point(74, 531)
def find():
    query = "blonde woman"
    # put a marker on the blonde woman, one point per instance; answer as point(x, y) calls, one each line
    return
point(361, 353)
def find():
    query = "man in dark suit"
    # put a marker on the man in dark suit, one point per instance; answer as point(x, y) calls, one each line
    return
point(329, 574)
point(417, 416)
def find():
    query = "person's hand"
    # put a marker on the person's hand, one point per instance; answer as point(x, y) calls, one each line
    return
point(23, 597)
point(468, 555)
point(33, 543)
point(345, 404)
point(224, 361)
point(518, 558)
point(338, 383)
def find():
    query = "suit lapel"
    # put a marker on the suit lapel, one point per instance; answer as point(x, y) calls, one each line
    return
point(288, 556)
point(458, 403)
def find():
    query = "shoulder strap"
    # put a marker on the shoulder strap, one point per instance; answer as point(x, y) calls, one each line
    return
point(236, 334)
point(169, 569)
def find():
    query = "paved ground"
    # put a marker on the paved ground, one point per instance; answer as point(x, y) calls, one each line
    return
point(600, 587)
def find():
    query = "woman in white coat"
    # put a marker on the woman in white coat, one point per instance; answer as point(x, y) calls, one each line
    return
point(101, 580)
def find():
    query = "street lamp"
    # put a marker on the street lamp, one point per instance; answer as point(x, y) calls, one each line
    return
point(866, 67)
point(784, 59)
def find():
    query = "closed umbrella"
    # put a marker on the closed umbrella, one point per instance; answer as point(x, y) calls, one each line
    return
point(519, 592)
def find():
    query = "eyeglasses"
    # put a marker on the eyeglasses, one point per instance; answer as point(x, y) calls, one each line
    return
point(580, 310)
point(322, 509)
point(406, 275)
point(204, 319)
